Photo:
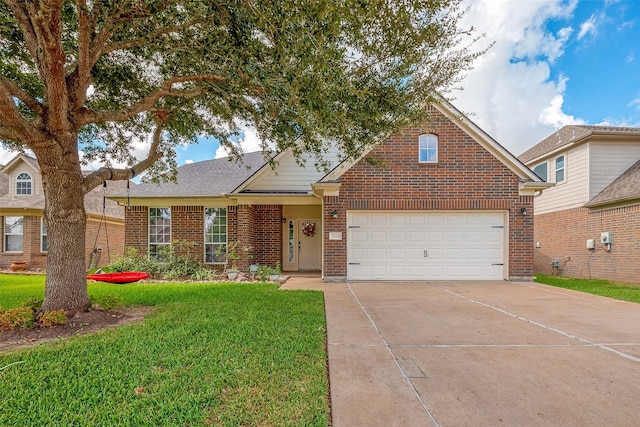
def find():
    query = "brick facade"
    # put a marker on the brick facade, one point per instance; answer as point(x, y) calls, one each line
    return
point(109, 237)
point(258, 227)
point(465, 177)
point(563, 236)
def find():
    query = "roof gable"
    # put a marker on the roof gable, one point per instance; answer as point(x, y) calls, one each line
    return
point(290, 175)
point(19, 159)
point(475, 132)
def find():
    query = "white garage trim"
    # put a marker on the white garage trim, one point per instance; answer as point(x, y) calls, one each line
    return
point(427, 245)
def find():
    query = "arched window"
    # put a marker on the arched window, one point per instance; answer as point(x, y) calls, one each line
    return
point(23, 184)
point(428, 148)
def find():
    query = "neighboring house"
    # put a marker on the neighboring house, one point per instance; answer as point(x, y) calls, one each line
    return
point(24, 234)
point(597, 174)
point(441, 201)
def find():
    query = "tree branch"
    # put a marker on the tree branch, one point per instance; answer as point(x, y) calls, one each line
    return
point(26, 99)
point(148, 37)
point(90, 116)
point(85, 31)
point(103, 174)
point(46, 19)
point(18, 8)
point(10, 118)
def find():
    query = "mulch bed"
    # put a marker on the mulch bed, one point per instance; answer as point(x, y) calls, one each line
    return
point(81, 323)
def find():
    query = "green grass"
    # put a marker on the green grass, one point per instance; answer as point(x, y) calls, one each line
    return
point(210, 354)
point(594, 286)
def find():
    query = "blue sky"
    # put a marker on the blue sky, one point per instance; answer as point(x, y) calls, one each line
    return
point(554, 63)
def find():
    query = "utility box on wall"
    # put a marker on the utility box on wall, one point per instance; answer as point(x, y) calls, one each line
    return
point(605, 238)
point(591, 244)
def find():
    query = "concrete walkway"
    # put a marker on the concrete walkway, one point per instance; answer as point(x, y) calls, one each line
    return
point(479, 354)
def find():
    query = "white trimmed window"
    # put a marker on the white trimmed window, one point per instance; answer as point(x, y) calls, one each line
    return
point(159, 230)
point(560, 168)
point(215, 234)
point(13, 233)
point(428, 148)
point(44, 243)
point(542, 170)
point(23, 184)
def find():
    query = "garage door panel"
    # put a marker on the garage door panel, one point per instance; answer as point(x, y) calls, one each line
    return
point(358, 236)
point(378, 237)
point(377, 220)
point(416, 236)
point(397, 236)
point(457, 245)
point(376, 254)
point(397, 254)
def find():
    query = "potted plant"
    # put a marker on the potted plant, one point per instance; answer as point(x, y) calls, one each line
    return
point(274, 273)
point(230, 252)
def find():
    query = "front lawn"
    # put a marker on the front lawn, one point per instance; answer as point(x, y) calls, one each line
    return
point(604, 288)
point(210, 354)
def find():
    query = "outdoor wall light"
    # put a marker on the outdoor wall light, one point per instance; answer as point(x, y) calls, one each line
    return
point(284, 220)
point(334, 214)
point(523, 211)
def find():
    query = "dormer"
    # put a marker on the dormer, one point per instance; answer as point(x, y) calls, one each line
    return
point(22, 176)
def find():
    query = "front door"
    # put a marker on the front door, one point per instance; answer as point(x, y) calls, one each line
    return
point(303, 244)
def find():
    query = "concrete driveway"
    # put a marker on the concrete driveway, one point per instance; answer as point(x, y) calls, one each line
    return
point(479, 354)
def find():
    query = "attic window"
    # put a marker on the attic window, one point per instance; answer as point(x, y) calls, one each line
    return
point(23, 184)
point(428, 148)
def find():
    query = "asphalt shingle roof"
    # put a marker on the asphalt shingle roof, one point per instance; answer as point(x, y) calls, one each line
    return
point(572, 134)
point(207, 178)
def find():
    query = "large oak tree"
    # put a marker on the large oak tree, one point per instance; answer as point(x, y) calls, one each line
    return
point(81, 80)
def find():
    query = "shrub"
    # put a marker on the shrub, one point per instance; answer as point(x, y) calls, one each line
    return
point(34, 304)
point(177, 261)
point(22, 317)
point(53, 317)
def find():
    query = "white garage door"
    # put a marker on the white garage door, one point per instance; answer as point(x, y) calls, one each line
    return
point(425, 246)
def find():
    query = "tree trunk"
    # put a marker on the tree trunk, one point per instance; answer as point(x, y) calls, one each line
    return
point(66, 282)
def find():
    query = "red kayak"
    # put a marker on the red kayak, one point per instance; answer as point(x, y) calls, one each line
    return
point(124, 277)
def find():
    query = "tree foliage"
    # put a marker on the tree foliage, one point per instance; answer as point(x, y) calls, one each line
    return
point(301, 73)
point(97, 76)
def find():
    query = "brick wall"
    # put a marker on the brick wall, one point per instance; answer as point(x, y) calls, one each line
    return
point(31, 243)
point(187, 230)
point(564, 234)
point(466, 177)
point(137, 228)
point(258, 227)
point(108, 237)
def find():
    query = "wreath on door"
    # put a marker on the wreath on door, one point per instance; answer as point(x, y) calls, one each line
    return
point(309, 229)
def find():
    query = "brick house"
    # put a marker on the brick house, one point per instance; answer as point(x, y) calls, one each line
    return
point(441, 201)
point(24, 234)
point(597, 196)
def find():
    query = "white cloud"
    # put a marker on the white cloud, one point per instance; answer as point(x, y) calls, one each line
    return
point(635, 103)
point(188, 162)
point(250, 143)
point(6, 155)
point(588, 26)
point(510, 93)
